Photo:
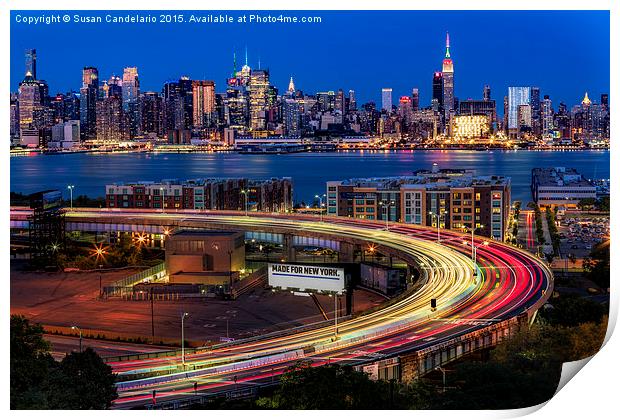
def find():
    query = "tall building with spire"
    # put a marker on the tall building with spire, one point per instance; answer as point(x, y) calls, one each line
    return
point(291, 86)
point(448, 82)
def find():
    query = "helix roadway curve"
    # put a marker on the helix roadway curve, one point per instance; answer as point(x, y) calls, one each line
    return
point(510, 282)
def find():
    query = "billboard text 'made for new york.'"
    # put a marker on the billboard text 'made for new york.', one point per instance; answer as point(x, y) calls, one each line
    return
point(306, 277)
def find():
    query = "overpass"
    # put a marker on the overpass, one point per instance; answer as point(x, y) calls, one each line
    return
point(477, 306)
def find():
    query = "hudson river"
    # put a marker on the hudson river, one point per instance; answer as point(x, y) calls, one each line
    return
point(90, 172)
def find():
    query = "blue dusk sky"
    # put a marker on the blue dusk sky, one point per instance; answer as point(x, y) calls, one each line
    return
point(565, 53)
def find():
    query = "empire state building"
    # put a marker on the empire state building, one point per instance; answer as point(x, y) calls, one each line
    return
point(448, 82)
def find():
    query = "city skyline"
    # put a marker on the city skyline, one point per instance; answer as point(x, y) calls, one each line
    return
point(471, 74)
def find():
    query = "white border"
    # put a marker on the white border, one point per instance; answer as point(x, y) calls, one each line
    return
point(593, 394)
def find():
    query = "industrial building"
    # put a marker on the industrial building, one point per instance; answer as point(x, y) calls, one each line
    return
point(203, 257)
point(560, 186)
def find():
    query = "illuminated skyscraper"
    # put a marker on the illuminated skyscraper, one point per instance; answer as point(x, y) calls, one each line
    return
point(437, 99)
point(486, 93)
point(448, 82)
point(352, 102)
point(151, 111)
point(31, 63)
point(339, 105)
point(89, 94)
point(535, 104)
point(14, 117)
point(259, 86)
point(386, 99)
point(203, 97)
point(31, 103)
point(517, 96)
point(415, 99)
point(547, 117)
point(131, 94)
point(291, 86)
point(110, 128)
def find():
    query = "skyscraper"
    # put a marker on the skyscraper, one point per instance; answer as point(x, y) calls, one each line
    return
point(110, 127)
point(291, 86)
point(131, 94)
point(340, 103)
point(291, 115)
point(30, 103)
point(352, 102)
point(535, 103)
point(437, 99)
point(448, 82)
point(386, 99)
point(151, 111)
point(486, 93)
point(415, 99)
point(203, 97)
point(31, 63)
point(88, 103)
point(259, 85)
point(517, 96)
point(547, 117)
point(14, 130)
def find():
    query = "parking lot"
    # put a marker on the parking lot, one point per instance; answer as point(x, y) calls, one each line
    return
point(580, 233)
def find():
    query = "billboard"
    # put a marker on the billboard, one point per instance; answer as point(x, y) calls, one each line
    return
point(46, 200)
point(306, 277)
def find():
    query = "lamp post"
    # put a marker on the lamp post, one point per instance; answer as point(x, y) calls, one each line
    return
point(245, 193)
point(100, 289)
point(320, 197)
point(472, 230)
point(71, 187)
point(386, 206)
point(79, 331)
point(185, 314)
point(475, 255)
point(152, 316)
point(336, 315)
point(438, 220)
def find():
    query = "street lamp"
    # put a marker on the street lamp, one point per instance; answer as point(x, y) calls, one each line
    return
point(71, 187)
point(185, 315)
point(245, 193)
point(386, 206)
point(336, 315)
point(438, 219)
point(320, 197)
point(472, 230)
point(474, 255)
point(80, 331)
point(100, 290)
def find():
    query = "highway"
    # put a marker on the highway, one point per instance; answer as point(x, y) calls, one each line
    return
point(510, 281)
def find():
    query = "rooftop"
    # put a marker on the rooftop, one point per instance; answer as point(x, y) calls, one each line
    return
point(559, 177)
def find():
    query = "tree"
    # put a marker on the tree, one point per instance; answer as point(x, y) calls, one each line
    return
point(586, 203)
point(30, 365)
point(327, 387)
point(494, 386)
point(596, 266)
point(571, 311)
point(79, 381)
point(84, 382)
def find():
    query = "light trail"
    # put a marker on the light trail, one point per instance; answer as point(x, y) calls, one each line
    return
point(511, 282)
